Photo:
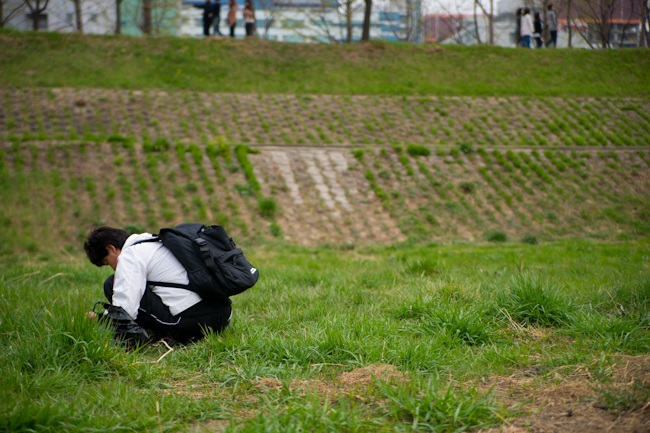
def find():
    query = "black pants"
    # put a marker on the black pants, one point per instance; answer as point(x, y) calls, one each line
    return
point(207, 23)
point(553, 39)
point(216, 18)
point(232, 30)
point(186, 326)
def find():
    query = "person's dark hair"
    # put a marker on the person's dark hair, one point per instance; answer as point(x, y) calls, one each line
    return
point(99, 239)
point(526, 11)
point(550, 6)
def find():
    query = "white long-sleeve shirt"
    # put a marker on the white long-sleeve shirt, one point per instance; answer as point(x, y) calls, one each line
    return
point(149, 261)
point(527, 28)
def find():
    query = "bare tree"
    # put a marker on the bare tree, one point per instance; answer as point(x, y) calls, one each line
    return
point(37, 8)
point(599, 14)
point(348, 8)
point(152, 16)
point(452, 21)
point(8, 9)
point(487, 12)
point(319, 17)
point(406, 29)
point(274, 11)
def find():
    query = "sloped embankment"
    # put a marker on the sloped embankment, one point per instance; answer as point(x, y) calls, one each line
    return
point(323, 169)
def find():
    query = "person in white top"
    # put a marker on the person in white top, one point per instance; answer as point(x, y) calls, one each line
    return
point(527, 28)
point(169, 312)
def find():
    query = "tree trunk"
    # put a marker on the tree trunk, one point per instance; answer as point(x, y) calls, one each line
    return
point(77, 13)
point(366, 21)
point(604, 26)
point(37, 10)
point(476, 29)
point(118, 17)
point(348, 21)
point(491, 23)
point(568, 21)
point(546, 35)
point(645, 37)
point(147, 8)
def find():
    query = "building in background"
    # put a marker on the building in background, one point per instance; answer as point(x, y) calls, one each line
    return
point(325, 21)
point(587, 25)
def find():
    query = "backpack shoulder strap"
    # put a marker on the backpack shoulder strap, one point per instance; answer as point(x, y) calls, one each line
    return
point(154, 239)
point(160, 283)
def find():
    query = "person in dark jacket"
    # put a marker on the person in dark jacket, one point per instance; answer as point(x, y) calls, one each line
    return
point(518, 15)
point(216, 14)
point(537, 26)
point(208, 16)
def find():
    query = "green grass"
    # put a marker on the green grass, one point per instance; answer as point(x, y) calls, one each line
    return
point(442, 318)
point(262, 67)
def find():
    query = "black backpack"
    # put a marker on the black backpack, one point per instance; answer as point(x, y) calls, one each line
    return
point(216, 268)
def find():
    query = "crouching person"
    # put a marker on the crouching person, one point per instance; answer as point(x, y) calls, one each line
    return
point(136, 305)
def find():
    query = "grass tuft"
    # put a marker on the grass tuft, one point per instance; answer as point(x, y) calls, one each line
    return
point(531, 301)
point(430, 407)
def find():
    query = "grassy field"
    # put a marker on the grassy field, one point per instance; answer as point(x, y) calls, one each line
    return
point(449, 238)
point(397, 338)
point(57, 60)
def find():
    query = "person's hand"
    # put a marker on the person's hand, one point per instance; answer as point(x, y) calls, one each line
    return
point(91, 315)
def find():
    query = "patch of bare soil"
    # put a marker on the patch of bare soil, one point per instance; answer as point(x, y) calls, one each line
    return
point(349, 383)
point(555, 403)
point(575, 403)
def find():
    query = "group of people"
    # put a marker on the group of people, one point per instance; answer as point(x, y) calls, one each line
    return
point(212, 12)
point(529, 29)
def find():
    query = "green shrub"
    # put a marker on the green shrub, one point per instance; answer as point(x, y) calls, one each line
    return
point(120, 139)
point(160, 145)
point(242, 152)
point(276, 231)
point(529, 239)
point(416, 150)
point(268, 207)
point(358, 154)
point(467, 187)
point(466, 148)
point(244, 190)
point(496, 236)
